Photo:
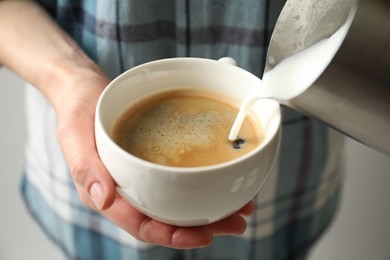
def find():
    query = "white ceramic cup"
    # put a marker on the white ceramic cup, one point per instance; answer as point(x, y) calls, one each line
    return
point(189, 196)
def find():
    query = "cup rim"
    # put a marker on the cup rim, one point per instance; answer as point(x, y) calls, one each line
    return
point(175, 169)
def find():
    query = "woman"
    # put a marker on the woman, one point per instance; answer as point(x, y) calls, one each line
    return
point(69, 50)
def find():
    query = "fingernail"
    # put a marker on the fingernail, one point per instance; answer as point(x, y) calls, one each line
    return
point(97, 195)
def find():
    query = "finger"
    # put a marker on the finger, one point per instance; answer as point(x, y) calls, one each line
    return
point(232, 225)
point(86, 198)
point(248, 209)
point(152, 231)
point(87, 170)
point(76, 136)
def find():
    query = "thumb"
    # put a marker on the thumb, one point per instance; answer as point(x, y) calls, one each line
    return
point(75, 134)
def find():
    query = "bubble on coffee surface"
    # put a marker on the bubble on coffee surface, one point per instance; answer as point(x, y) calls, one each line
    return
point(237, 144)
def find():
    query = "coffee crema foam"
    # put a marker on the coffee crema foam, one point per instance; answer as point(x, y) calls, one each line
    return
point(184, 128)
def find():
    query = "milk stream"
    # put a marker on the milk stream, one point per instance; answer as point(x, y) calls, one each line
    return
point(293, 75)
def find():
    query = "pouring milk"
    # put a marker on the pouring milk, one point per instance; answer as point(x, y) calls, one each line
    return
point(293, 75)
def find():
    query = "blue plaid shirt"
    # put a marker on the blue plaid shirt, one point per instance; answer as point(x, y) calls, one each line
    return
point(294, 206)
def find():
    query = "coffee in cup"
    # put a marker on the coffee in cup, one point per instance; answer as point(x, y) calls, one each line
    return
point(185, 128)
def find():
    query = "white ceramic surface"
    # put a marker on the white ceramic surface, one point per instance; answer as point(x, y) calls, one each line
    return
point(186, 196)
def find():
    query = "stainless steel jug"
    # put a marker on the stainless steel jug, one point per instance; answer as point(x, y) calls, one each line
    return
point(353, 93)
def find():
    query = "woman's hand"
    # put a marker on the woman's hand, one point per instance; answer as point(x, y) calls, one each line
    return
point(52, 62)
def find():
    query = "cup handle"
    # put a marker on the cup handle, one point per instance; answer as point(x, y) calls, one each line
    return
point(228, 60)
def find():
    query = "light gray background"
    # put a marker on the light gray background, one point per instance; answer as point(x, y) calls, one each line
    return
point(360, 231)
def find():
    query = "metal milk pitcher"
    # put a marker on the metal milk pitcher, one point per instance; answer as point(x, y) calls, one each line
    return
point(352, 95)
